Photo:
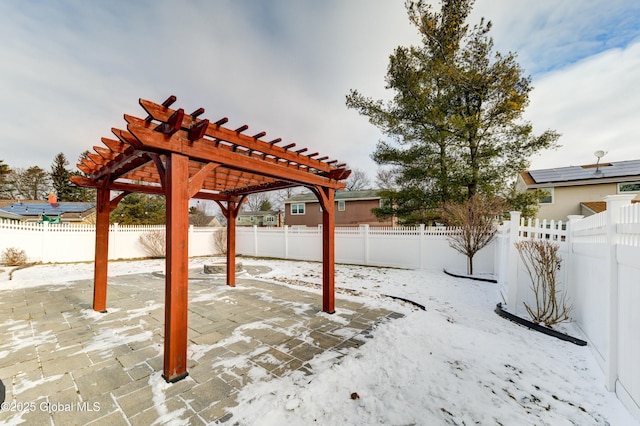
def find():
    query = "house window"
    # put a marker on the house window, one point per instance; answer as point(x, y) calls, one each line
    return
point(629, 187)
point(548, 199)
point(341, 205)
point(297, 208)
point(270, 219)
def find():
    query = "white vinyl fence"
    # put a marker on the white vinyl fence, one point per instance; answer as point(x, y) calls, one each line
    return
point(417, 247)
point(43, 242)
point(409, 247)
point(601, 276)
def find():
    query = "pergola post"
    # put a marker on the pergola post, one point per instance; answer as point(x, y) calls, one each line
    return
point(232, 215)
point(230, 212)
point(103, 209)
point(327, 200)
point(177, 273)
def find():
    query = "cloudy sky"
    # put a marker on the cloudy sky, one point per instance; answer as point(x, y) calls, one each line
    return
point(70, 69)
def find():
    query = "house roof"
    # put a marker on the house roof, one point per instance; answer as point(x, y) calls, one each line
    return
point(36, 208)
point(258, 213)
point(595, 206)
point(599, 206)
point(589, 174)
point(366, 194)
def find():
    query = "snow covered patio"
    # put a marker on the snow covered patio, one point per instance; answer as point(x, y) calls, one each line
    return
point(264, 353)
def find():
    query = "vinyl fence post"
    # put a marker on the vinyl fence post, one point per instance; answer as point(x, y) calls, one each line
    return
point(45, 237)
point(286, 241)
point(614, 202)
point(364, 229)
point(512, 262)
point(255, 240)
point(569, 284)
point(421, 238)
point(114, 240)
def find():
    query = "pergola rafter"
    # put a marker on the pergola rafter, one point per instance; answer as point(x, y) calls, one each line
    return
point(182, 156)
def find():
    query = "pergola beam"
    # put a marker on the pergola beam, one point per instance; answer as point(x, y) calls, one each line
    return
point(153, 141)
point(235, 137)
point(146, 189)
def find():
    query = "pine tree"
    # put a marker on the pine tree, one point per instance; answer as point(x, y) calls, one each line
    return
point(140, 209)
point(455, 122)
point(60, 178)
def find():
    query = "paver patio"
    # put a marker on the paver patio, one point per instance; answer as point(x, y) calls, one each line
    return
point(62, 362)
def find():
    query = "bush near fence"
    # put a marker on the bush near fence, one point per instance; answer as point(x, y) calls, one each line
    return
point(600, 275)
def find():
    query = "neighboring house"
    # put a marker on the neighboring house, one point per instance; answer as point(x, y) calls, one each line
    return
point(261, 218)
point(352, 208)
point(39, 211)
point(579, 190)
point(204, 220)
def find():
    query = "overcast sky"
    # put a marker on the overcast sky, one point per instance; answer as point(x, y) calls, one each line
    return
point(69, 70)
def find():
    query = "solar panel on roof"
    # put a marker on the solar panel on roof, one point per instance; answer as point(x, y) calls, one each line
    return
point(564, 174)
point(30, 209)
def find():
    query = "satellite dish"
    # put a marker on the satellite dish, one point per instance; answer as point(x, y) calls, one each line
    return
point(599, 153)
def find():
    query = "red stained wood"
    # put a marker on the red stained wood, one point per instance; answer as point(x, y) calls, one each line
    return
point(182, 157)
point(326, 196)
point(103, 209)
point(177, 272)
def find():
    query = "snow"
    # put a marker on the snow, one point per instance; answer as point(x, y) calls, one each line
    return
point(456, 362)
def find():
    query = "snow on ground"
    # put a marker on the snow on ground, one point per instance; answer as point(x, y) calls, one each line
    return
point(455, 363)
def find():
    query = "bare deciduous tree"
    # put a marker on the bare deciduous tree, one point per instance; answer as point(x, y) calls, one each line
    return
point(257, 202)
point(386, 179)
point(280, 196)
point(475, 217)
point(541, 260)
point(30, 184)
point(198, 217)
point(358, 180)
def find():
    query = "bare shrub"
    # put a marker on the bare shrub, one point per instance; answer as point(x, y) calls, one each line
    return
point(475, 217)
point(154, 243)
point(220, 241)
point(12, 256)
point(541, 260)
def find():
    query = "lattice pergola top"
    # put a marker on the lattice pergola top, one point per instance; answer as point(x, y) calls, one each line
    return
point(223, 163)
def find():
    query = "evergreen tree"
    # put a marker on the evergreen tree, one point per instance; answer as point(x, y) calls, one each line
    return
point(455, 122)
point(80, 193)
point(60, 178)
point(140, 209)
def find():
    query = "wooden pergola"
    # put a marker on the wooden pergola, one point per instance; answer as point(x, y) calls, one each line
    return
point(182, 156)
